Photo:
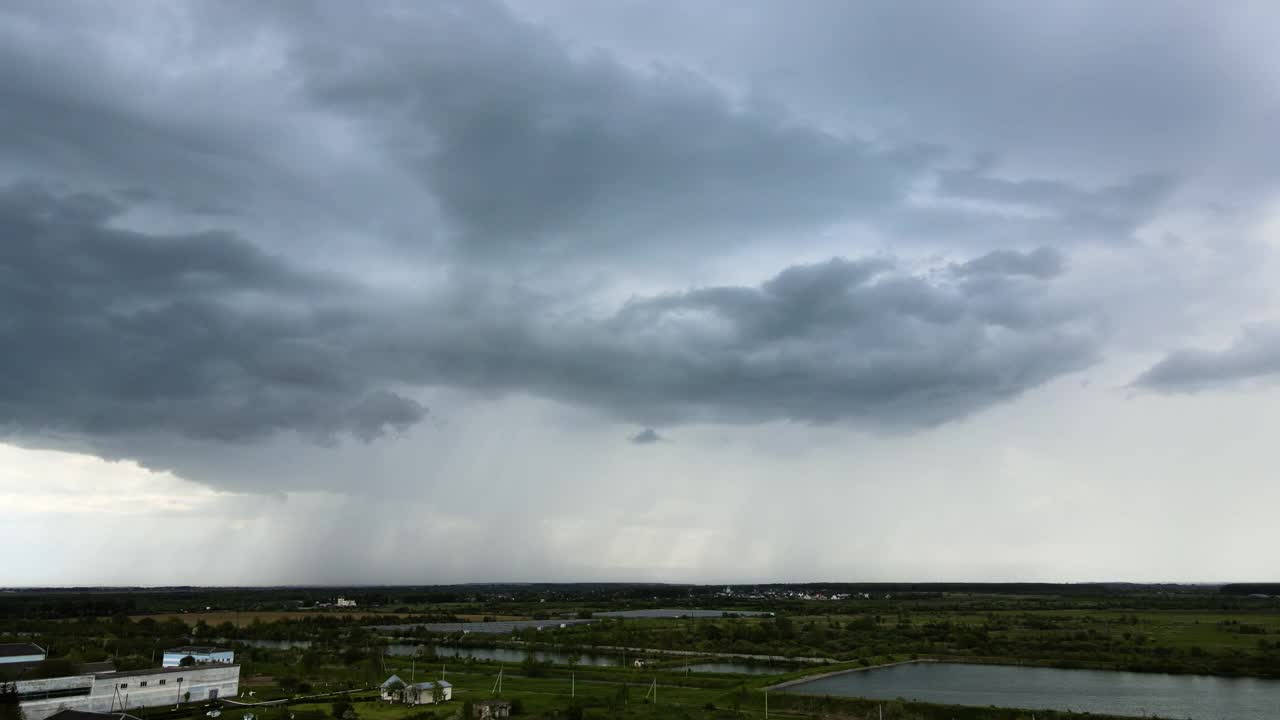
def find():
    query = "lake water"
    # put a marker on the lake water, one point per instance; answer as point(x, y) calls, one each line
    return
point(675, 613)
point(509, 655)
point(1199, 697)
point(273, 644)
point(500, 627)
point(740, 668)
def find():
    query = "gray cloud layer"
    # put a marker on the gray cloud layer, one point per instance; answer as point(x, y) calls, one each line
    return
point(843, 340)
point(460, 169)
point(115, 331)
point(1255, 355)
point(252, 243)
point(110, 331)
point(528, 147)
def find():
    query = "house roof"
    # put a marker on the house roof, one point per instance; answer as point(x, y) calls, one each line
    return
point(20, 649)
point(207, 667)
point(492, 702)
point(198, 649)
point(429, 685)
point(393, 678)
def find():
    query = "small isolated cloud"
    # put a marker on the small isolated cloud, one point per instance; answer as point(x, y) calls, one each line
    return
point(647, 436)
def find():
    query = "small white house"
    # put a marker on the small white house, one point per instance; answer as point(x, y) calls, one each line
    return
point(396, 690)
point(343, 602)
point(391, 687)
point(200, 655)
point(20, 653)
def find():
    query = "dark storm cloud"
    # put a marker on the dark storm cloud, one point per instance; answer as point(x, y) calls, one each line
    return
point(68, 113)
point(1255, 355)
point(527, 146)
point(110, 331)
point(858, 341)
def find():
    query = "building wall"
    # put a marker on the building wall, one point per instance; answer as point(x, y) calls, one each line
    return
point(172, 659)
point(200, 681)
point(423, 697)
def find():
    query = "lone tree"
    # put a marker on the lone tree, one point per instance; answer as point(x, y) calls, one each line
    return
point(437, 694)
point(10, 705)
point(187, 661)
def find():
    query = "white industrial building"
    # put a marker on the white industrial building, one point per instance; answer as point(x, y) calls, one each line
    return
point(21, 653)
point(199, 655)
point(114, 692)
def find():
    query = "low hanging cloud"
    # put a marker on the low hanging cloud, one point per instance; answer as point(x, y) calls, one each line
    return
point(1253, 356)
point(860, 341)
point(647, 436)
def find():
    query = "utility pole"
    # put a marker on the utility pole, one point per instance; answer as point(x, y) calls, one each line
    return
point(573, 685)
point(766, 705)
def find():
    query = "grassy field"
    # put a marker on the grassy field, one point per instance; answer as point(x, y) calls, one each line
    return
point(1211, 631)
point(622, 694)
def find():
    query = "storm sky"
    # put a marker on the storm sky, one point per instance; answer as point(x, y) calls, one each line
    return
point(429, 292)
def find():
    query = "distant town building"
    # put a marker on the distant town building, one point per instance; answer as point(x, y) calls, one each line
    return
point(21, 653)
point(343, 602)
point(199, 654)
point(490, 709)
point(120, 692)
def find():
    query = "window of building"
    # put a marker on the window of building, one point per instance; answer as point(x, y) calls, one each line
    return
point(124, 685)
point(144, 683)
point(161, 682)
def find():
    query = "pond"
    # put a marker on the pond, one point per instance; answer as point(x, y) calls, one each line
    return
point(273, 644)
point(507, 655)
point(676, 613)
point(499, 627)
point(1199, 697)
point(729, 667)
